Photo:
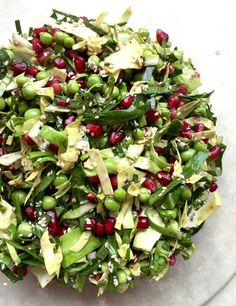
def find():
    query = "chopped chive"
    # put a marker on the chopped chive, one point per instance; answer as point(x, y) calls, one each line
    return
point(18, 27)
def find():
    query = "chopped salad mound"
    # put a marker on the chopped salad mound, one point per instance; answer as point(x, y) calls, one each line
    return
point(109, 154)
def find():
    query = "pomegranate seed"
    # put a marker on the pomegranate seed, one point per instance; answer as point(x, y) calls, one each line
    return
point(79, 64)
point(143, 222)
point(60, 63)
point(116, 137)
point(99, 229)
point(91, 197)
point(95, 129)
point(43, 55)
point(171, 171)
point(69, 119)
point(152, 116)
point(199, 127)
point(160, 150)
point(82, 83)
point(172, 260)
point(15, 270)
point(54, 148)
point(56, 85)
point(61, 102)
point(186, 134)
point(150, 184)
point(37, 45)
point(30, 213)
point(213, 187)
point(171, 159)
point(173, 114)
point(171, 69)
point(173, 101)
point(18, 68)
point(53, 228)
point(182, 89)
point(181, 103)
point(113, 179)
point(90, 224)
point(71, 54)
point(185, 126)
point(94, 180)
point(32, 71)
point(28, 140)
point(61, 231)
point(215, 152)
point(205, 139)
point(54, 30)
point(164, 177)
point(161, 36)
point(126, 102)
point(109, 225)
point(37, 31)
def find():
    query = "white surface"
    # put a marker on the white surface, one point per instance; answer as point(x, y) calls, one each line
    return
point(200, 28)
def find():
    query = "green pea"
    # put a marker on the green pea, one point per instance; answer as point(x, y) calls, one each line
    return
point(200, 146)
point(45, 38)
point(186, 194)
point(144, 33)
point(41, 75)
point(159, 122)
point(32, 113)
point(18, 197)
point(73, 87)
point(93, 60)
point(49, 202)
point(25, 229)
point(144, 194)
point(115, 92)
point(2, 104)
point(9, 101)
point(110, 165)
point(68, 42)
point(187, 155)
point(59, 180)
point(168, 213)
point(22, 107)
point(95, 82)
point(120, 194)
point(21, 80)
point(121, 276)
point(111, 204)
point(200, 111)
point(29, 92)
point(59, 37)
point(165, 112)
point(10, 53)
point(138, 134)
point(173, 225)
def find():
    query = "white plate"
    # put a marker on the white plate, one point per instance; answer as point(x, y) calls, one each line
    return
point(205, 30)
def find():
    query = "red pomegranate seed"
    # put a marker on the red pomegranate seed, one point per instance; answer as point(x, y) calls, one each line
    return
point(43, 55)
point(116, 137)
point(91, 197)
point(152, 116)
point(172, 260)
point(215, 152)
point(171, 69)
point(161, 36)
point(150, 184)
point(37, 45)
point(127, 102)
point(95, 129)
point(213, 187)
point(61, 231)
point(30, 213)
point(56, 85)
point(109, 225)
point(164, 177)
point(94, 180)
point(186, 134)
point(61, 102)
point(143, 222)
point(90, 224)
point(160, 150)
point(79, 64)
point(28, 140)
point(185, 126)
point(32, 71)
point(171, 159)
point(18, 68)
point(71, 54)
point(181, 103)
point(113, 179)
point(60, 63)
point(15, 270)
point(171, 171)
point(54, 148)
point(182, 89)
point(173, 101)
point(205, 139)
point(69, 120)
point(199, 127)
point(82, 83)
point(53, 228)
point(99, 229)
point(37, 31)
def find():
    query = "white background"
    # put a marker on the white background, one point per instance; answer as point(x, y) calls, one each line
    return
point(205, 30)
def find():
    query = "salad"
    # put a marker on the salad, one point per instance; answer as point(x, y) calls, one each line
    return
point(109, 154)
